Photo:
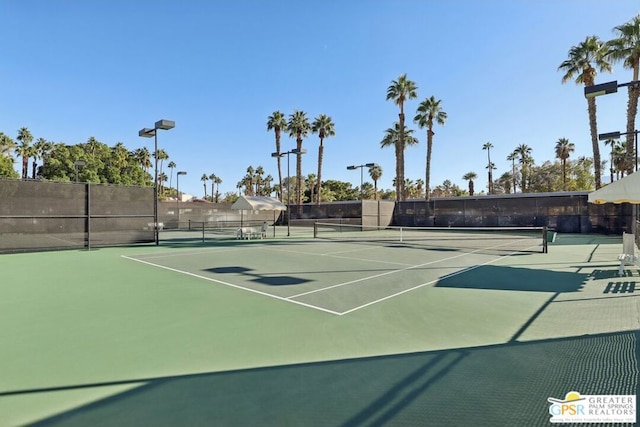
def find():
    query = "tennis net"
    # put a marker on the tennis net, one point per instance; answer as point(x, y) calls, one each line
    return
point(500, 239)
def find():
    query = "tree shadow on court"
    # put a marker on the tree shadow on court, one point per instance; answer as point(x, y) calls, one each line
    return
point(494, 385)
point(515, 279)
point(262, 279)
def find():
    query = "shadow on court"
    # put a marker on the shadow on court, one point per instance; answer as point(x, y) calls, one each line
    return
point(259, 278)
point(497, 385)
point(515, 279)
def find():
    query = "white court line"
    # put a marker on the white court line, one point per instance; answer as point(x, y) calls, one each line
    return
point(426, 284)
point(172, 254)
point(401, 270)
point(231, 285)
point(331, 254)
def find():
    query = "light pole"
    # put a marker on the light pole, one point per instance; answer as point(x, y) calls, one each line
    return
point(178, 195)
point(354, 167)
point(148, 133)
point(276, 154)
point(616, 135)
point(605, 89)
point(76, 164)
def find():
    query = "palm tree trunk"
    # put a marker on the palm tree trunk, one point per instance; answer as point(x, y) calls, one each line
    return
point(401, 153)
point(564, 174)
point(591, 103)
point(427, 177)
point(398, 171)
point(320, 156)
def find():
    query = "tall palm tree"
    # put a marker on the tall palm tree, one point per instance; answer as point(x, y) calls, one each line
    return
point(564, 148)
point(583, 64)
point(392, 139)
point(172, 166)
point(626, 48)
point(204, 178)
point(259, 180)
point(428, 111)
point(162, 155)
point(298, 126)
point(524, 151)
point(512, 158)
point(324, 127)
point(470, 176)
point(612, 143)
point(399, 91)
point(212, 178)
point(25, 138)
point(375, 172)
point(218, 181)
point(488, 146)
point(277, 122)
point(490, 167)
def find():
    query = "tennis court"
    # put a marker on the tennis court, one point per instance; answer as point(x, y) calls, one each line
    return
point(315, 331)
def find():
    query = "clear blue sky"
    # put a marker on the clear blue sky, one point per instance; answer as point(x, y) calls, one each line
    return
point(72, 69)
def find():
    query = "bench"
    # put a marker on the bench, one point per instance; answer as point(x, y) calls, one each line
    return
point(249, 233)
point(629, 254)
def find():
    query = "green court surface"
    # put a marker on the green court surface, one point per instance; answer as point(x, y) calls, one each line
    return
point(296, 331)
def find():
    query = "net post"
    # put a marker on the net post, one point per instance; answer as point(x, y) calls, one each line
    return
point(315, 230)
point(545, 240)
point(189, 225)
point(202, 231)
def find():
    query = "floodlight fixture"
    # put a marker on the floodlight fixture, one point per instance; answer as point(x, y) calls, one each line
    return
point(608, 135)
point(601, 89)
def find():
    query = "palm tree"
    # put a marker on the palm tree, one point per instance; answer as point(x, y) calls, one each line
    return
point(172, 166)
point(7, 145)
point(392, 138)
point(259, 180)
point(204, 178)
point(143, 157)
point(40, 150)
point(488, 146)
point(298, 127)
point(324, 127)
point(248, 181)
point(505, 181)
point(612, 143)
point(375, 172)
point(470, 176)
point(524, 151)
point(490, 167)
point(619, 158)
point(579, 66)
point(399, 91)
point(564, 148)
point(311, 182)
point(512, 158)
point(428, 111)
point(277, 122)
point(212, 177)
point(218, 181)
point(162, 155)
point(626, 48)
point(25, 138)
